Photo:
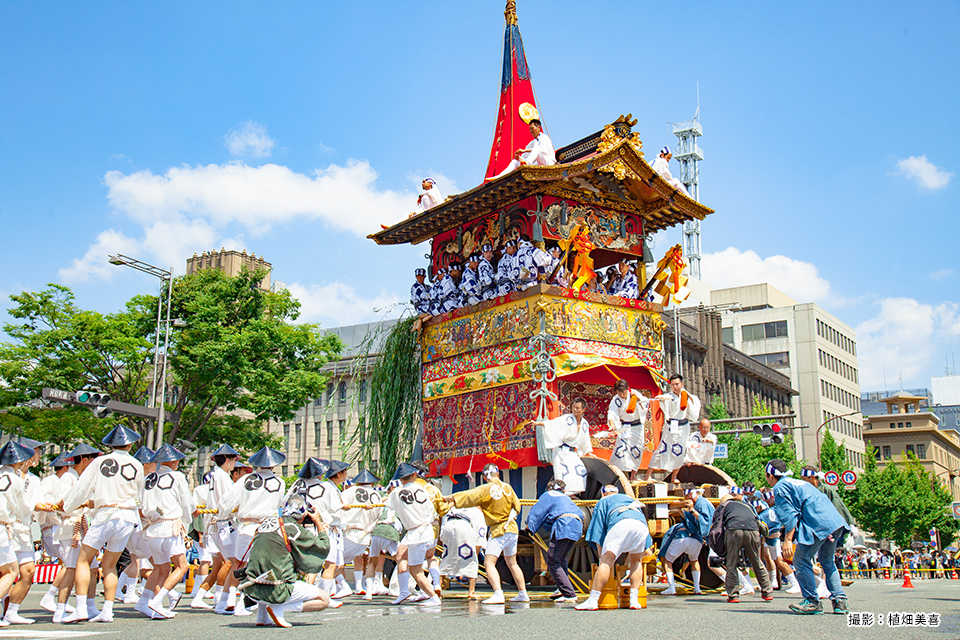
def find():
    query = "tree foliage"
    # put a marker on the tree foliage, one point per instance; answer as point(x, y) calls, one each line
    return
point(833, 455)
point(238, 362)
point(747, 457)
point(902, 501)
point(394, 413)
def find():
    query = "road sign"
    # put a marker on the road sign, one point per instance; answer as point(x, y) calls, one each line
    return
point(849, 477)
point(831, 478)
point(719, 451)
point(956, 510)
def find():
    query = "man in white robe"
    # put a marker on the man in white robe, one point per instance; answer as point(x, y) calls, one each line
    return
point(538, 151)
point(458, 534)
point(702, 444)
point(359, 521)
point(679, 409)
point(569, 438)
point(430, 197)
point(662, 166)
point(626, 417)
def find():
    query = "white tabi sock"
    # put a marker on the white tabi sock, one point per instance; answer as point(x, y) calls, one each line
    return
point(745, 581)
point(197, 585)
point(634, 597)
point(232, 597)
point(378, 577)
point(61, 608)
point(81, 602)
point(358, 580)
point(435, 577)
point(696, 580)
point(12, 608)
point(160, 595)
point(107, 608)
point(341, 583)
point(404, 579)
point(594, 597)
point(145, 597)
point(369, 586)
point(217, 592)
point(326, 585)
point(670, 584)
point(53, 592)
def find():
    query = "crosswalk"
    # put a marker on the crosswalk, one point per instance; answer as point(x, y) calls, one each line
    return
point(39, 634)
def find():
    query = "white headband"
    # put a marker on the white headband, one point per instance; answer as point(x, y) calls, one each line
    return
point(664, 151)
point(776, 473)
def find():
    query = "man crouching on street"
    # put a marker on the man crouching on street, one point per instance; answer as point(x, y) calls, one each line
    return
point(281, 548)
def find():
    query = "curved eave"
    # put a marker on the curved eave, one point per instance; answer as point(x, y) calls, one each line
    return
point(642, 190)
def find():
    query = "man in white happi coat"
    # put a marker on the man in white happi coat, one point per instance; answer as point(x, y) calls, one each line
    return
point(168, 510)
point(49, 521)
point(26, 559)
point(206, 543)
point(13, 508)
point(223, 529)
point(626, 417)
point(416, 512)
point(702, 444)
point(662, 166)
point(458, 534)
point(569, 438)
point(113, 484)
point(255, 496)
point(383, 544)
point(329, 506)
point(359, 520)
point(538, 151)
point(680, 408)
point(73, 526)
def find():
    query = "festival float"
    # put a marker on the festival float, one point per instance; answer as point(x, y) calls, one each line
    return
point(491, 369)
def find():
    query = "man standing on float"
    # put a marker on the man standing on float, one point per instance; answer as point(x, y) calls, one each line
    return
point(626, 417)
point(679, 409)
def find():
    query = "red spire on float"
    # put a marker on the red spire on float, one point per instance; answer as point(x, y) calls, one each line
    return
point(511, 132)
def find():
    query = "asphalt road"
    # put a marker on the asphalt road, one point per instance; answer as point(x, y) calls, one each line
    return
point(665, 618)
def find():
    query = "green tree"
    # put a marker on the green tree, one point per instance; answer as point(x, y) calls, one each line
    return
point(901, 502)
point(394, 414)
point(747, 457)
point(240, 360)
point(833, 456)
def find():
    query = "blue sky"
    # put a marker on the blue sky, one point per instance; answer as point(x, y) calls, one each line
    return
point(294, 129)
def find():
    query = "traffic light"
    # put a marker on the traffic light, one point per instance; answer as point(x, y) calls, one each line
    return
point(95, 400)
point(769, 433)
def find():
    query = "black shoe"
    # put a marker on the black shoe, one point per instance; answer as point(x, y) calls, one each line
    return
point(808, 607)
point(840, 606)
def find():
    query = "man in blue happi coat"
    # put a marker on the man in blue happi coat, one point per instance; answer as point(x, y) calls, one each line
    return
point(813, 524)
point(687, 537)
point(556, 513)
point(617, 526)
point(420, 293)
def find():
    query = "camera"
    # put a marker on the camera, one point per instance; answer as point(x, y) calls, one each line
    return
point(717, 562)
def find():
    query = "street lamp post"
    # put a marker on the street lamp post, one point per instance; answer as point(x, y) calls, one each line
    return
point(165, 276)
point(819, 465)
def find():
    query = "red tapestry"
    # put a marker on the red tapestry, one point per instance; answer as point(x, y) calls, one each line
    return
point(462, 433)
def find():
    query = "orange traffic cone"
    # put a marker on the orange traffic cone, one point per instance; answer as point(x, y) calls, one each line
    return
point(953, 574)
point(906, 580)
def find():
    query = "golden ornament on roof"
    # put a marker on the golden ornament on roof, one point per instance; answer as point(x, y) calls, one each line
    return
point(528, 112)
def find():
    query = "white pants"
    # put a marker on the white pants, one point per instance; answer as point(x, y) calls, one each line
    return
point(164, 549)
point(112, 534)
point(627, 536)
point(382, 547)
point(688, 546)
point(505, 544)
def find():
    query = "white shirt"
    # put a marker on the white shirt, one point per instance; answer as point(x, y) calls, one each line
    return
point(329, 505)
point(429, 199)
point(115, 482)
point(700, 449)
point(167, 503)
point(619, 410)
point(13, 506)
point(662, 166)
point(220, 486)
point(671, 407)
point(359, 523)
point(49, 494)
point(416, 512)
point(255, 496)
point(565, 430)
point(540, 151)
point(64, 533)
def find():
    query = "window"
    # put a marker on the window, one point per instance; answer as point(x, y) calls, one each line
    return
point(318, 402)
point(752, 332)
point(373, 467)
point(286, 434)
point(329, 392)
point(342, 392)
point(343, 429)
point(922, 451)
point(728, 335)
point(317, 435)
point(876, 453)
point(886, 452)
point(909, 424)
point(363, 439)
point(910, 449)
point(284, 470)
point(329, 433)
point(893, 425)
point(362, 390)
point(775, 329)
point(298, 433)
point(779, 359)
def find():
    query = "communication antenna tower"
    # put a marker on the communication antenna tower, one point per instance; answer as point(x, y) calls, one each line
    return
point(689, 156)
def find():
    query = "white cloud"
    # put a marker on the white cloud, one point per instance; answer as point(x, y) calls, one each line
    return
point(905, 338)
point(338, 304)
point(250, 139)
point(345, 197)
point(923, 172)
point(799, 280)
point(942, 274)
point(94, 261)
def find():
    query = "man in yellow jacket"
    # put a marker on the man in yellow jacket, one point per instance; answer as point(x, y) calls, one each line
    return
point(500, 507)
